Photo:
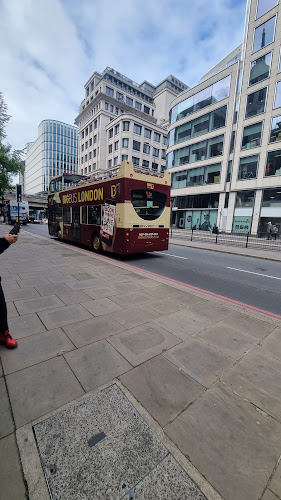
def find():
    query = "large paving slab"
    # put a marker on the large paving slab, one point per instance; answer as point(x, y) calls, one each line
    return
point(202, 362)
point(275, 484)
point(12, 485)
point(66, 278)
point(21, 294)
point(166, 305)
point(100, 293)
point(161, 388)
point(228, 340)
point(6, 421)
point(41, 388)
point(135, 316)
point(124, 288)
point(11, 310)
point(10, 285)
point(23, 326)
point(35, 349)
point(96, 364)
point(74, 297)
point(248, 324)
point(131, 299)
point(103, 448)
point(272, 344)
point(184, 323)
point(229, 442)
point(184, 297)
point(212, 311)
point(143, 342)
point(35, 282)
point(160, 291)
point(268, 495)
point(91, 283)
point(92, 330)
point(258, 378)
point(52, 289)
point(99, 307)
point(67, 315)
point(29, 306)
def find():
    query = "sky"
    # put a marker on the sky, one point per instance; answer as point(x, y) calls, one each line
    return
point(50, 48)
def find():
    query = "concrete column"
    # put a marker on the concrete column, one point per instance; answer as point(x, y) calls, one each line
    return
point(256, 211)
point(220, 210)
point(230, 211)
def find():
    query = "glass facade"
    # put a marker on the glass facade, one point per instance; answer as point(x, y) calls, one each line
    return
point(252, 136)
point(256, 103)
point(271, 198)
point(197, 176)
point(277, 103)
point(273, 164)
point(60, 150)
point(199, 151)
point(264, 34)
point(206, 123)
point(245, 199)
point(214, 93)
point(248, 167)
point(260, 68)
point(264, 6)
point(275, 133)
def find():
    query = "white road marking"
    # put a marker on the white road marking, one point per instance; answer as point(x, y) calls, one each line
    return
point(251, 272)
point(171, 255)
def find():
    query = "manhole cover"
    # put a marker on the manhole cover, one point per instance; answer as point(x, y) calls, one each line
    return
point(102, 448)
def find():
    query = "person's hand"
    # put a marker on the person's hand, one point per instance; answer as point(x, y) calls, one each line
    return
point(11, 238)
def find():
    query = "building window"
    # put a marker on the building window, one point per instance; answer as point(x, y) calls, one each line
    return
point(156, 137)
point(165, 140)
point(147, 133)
point(94, 166)
point(95, 123)
point(86, 145)
point(136, 161)
point(273, 164)
point(137, 129)
point(138, 105)
point(256, 103)
point(136, 145)
point(86, 170)
point(86, 158)
point(260, 68)
point(271, 198)
point(92, 86)
point(95, 152)
point(82, 147)
point(126, 126)
point(110, 133)
point(87, 131)
point(111, 108)
point(125, 143)
point(154, 166)
point(116, 111)
point(82, 134)
point(115, 161)
point(119, 96)
point(264, 6)
point(124, 157)
point(213, 93)
point(87, 91)
point(275, 133)
point(163, 156)
point(252, 136)
point(109, 91)
point(229, 172)
point(81, 174)
point(146, 149)
point(90, 168)
point(95, 139)
point(146, 109)
point(197, 176)
point(199, 151)
point(91, 128)
point(90, 155)
point(109, 163)
point(155, 152)
point(264, 34)
point(106, 106)
point(129, 101)
point(110, 148)
point(245, 199)
point(82, 159)
point(116, 145)
point(248, 167)
point(90, 142)
point(145, 163)
point(277, 103)
point(117, 129)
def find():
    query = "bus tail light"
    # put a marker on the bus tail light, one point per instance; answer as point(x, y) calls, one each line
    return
point(127, 234)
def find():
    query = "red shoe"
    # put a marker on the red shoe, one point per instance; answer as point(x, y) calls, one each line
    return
point(7, 340)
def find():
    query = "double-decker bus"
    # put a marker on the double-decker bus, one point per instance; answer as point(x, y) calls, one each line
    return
point(124, 211)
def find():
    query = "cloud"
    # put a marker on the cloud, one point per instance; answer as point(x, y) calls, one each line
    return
point(53, 47)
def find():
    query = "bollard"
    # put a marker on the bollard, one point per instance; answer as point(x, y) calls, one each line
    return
point(216, 238)
point(247, 240)
point(191, 234)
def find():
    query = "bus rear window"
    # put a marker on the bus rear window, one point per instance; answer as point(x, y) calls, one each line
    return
point(148, 204)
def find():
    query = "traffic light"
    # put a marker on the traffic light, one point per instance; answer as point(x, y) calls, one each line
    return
point(18, 192)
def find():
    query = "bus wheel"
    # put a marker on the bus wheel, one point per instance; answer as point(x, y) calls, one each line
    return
point(96, 243)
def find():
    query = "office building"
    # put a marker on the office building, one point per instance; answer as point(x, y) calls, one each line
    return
point(121, 120)
point(224, 149)
point(55, 151)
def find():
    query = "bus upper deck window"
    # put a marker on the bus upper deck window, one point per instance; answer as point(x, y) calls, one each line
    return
point(58, 184)
point(52, 186)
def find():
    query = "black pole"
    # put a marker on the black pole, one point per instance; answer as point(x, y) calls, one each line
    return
point(18, 212)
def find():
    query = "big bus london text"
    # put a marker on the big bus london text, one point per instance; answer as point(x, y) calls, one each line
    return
point(127, 212)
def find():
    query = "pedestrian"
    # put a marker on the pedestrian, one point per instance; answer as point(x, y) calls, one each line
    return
point(274, 231)
point(5, 337)
point(269, 231)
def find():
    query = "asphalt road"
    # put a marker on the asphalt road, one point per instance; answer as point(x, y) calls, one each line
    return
point(256, 282)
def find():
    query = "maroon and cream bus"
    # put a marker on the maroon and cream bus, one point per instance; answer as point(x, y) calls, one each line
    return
point(126, 212)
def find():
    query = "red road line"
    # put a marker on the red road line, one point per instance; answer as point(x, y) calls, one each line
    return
point(191, 287)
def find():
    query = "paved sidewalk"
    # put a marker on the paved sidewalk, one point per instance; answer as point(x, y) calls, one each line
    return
point(205, 375)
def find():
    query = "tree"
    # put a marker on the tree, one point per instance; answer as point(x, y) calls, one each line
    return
point(10, 160)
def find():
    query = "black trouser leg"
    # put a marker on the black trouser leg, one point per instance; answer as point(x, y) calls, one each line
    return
point(3, 312)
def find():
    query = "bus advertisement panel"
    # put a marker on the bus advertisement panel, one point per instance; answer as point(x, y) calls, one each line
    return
point(128, 212)
point(13, 212)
